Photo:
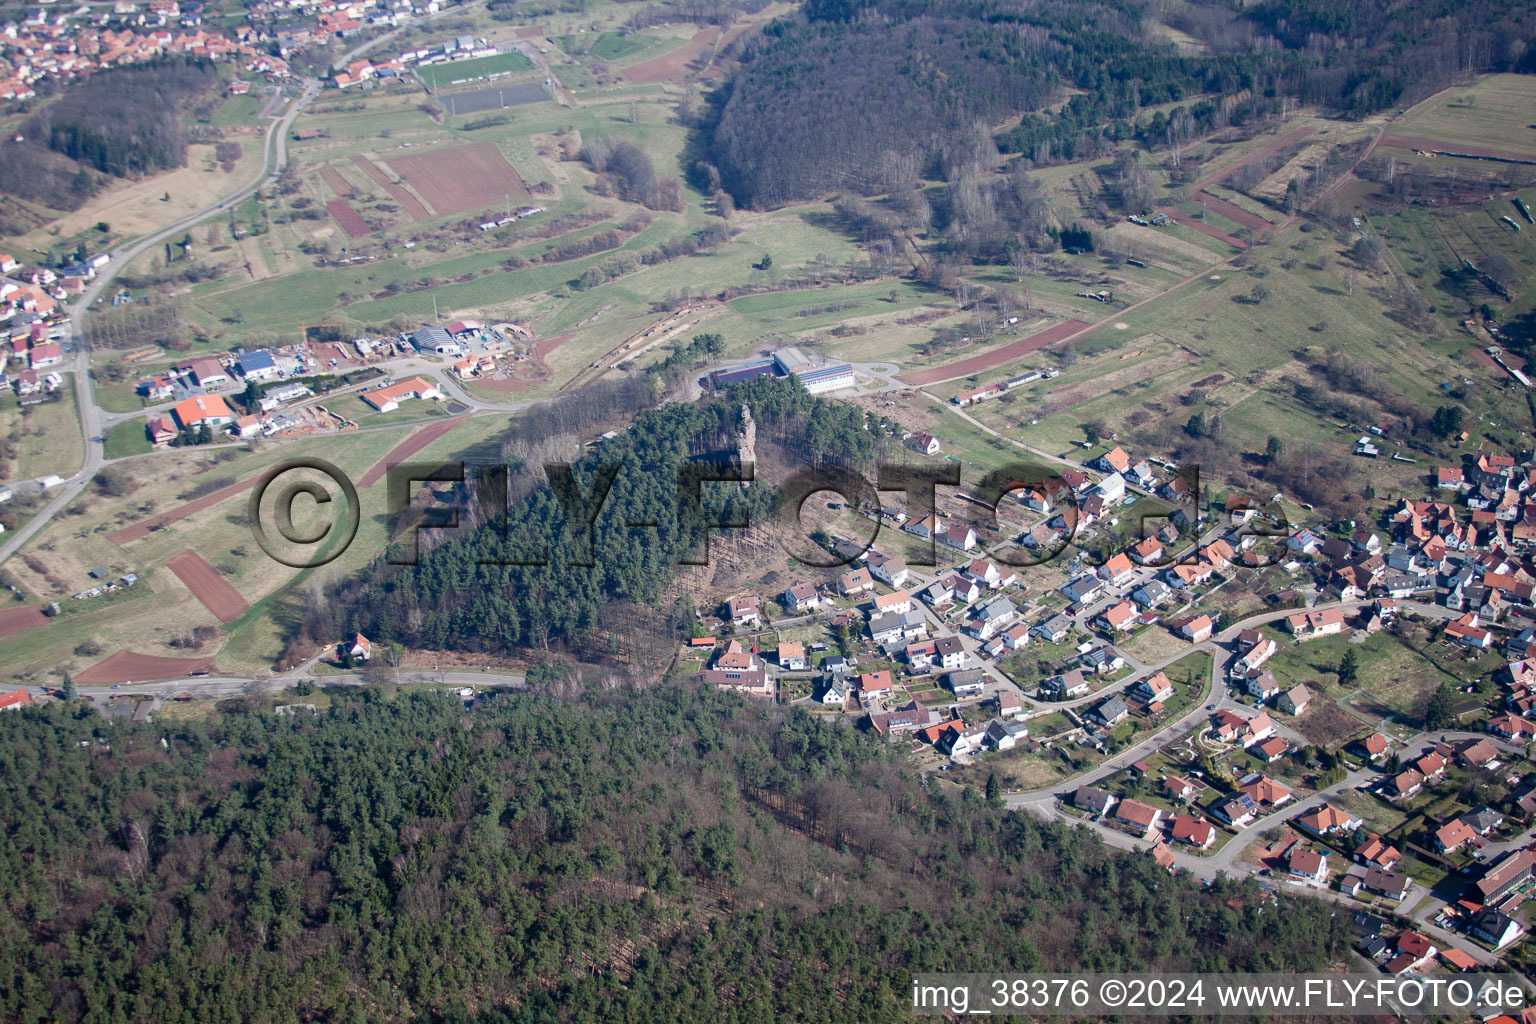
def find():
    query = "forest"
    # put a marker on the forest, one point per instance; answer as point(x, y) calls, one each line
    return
point(120, 122)
point(589, 855)
point(540, 575)
point(873, 96)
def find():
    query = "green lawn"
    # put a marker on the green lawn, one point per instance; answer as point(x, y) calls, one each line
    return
point(474, 69)
point(128, 438)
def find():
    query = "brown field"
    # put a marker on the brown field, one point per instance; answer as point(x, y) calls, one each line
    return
point(1326, 724)
point(128, 667)
point(145, 528)
point(461, 178)
point(671, 66)
point(405, 449)
point(1234, 213)
point(410, 203)
point(997, 357)
point(19, 620)
point(676, 64)
point(208, 586)
point(347, 217)
point(333, 179)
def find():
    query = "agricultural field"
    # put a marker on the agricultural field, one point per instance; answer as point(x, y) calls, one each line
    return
point(219, 535)
point(1494, 114)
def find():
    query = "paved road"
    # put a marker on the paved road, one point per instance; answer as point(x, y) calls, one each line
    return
point(274, 157)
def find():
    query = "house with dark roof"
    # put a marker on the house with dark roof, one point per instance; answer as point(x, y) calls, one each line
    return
point(1094, 801)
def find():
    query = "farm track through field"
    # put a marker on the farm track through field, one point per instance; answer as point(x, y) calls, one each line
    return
point(413, 206)
point(405, 449)
point(208, 586)
point(128, 667)
point(1235, 213)
point(998, 357)
point(1205, 229)
point(145, 527)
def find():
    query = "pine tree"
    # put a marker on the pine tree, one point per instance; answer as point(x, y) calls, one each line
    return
point(1349, 667)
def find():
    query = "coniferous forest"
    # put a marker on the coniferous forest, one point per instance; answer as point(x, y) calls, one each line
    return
point(654, 855)
point(469, 592)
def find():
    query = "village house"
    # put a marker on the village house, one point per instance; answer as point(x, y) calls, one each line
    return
point(1110, 713)
point(1179, 789)
point(745, 612)
point(1198, 629)
point(1265, 791)
point(1295, 700)
point(888, 569)
point(1308, 864)
point(1309, 625)
point(1094, 801)
point(1328, 819)
point(1192, 832)
point(855, 582)
point(736, 668)
point(1065, 686)
point(792, 657)
point(1376, 852)
point(1137, 819)
point(1453, 835)
point(801, 597)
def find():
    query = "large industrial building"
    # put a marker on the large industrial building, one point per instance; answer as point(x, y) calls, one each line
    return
point(817, 378)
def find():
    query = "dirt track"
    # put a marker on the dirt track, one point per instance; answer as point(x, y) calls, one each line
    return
point(405, 449)
point(208, 586)
point(1235, 213)
point(143, 529)
point(997, 357)
point(128, 667)
point(19, 620)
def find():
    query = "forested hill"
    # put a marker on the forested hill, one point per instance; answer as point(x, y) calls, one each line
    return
point(467, 594)
point(664, 855)
point(869, 95)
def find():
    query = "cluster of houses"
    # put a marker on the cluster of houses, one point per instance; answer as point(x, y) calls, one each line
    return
point(33, 323)
point(73, 43)
point(294, 24)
